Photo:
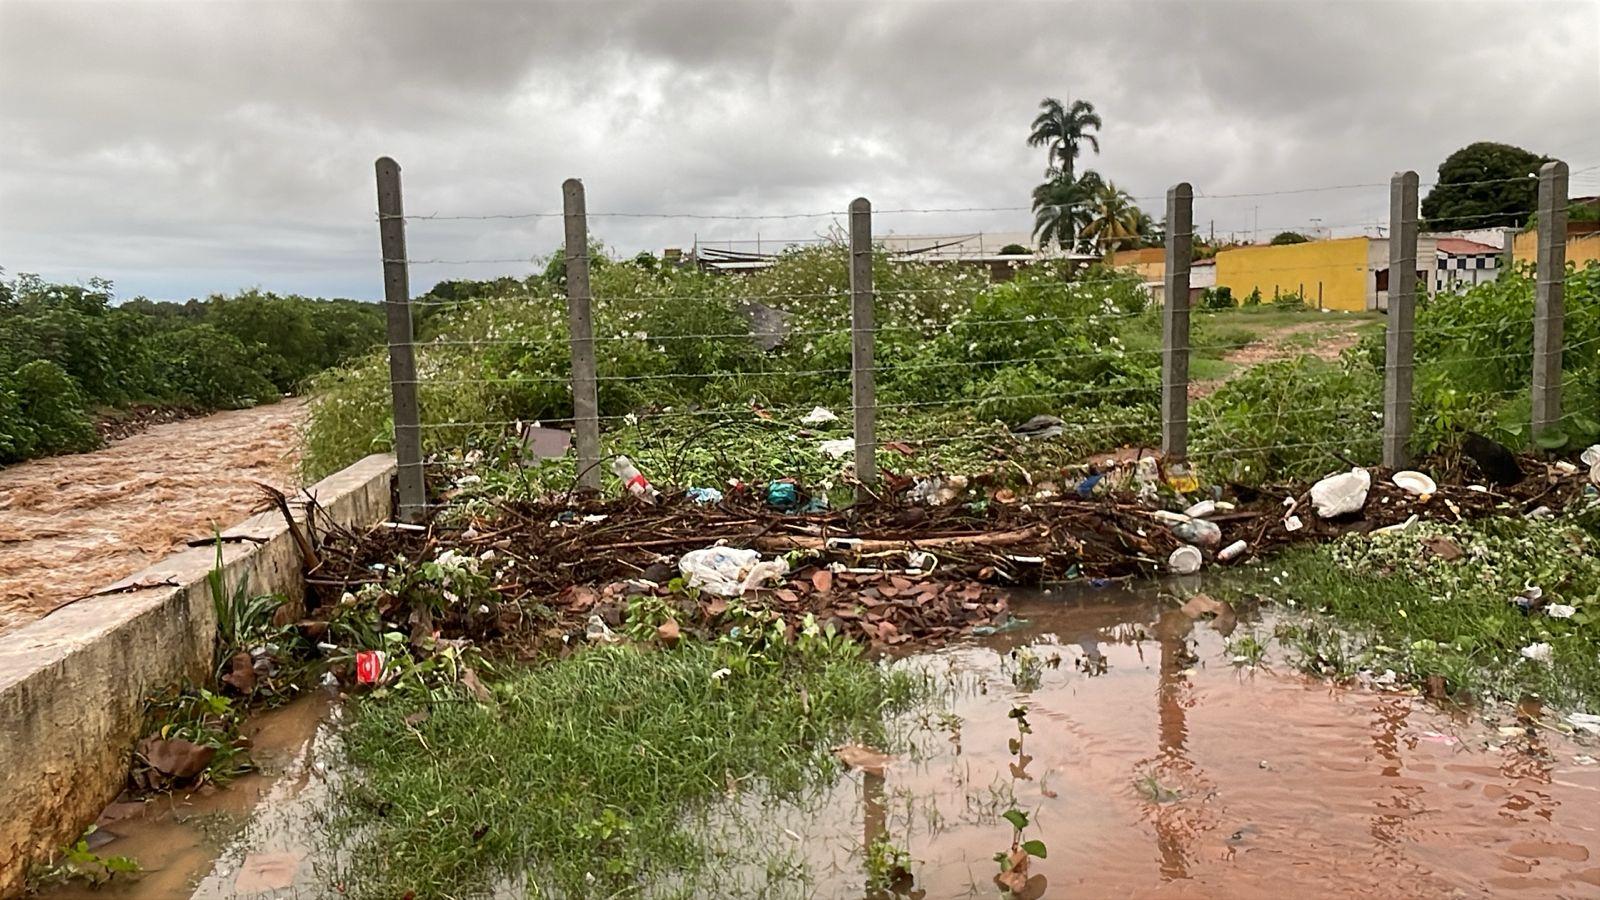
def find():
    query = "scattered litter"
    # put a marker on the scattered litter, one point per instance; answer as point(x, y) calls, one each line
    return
point(704, 496)
point(1477, 488)
point(1564, 467)
point(1415, 483)
point(1539, 512)
point(1539, 652)
point(838, 449)
point(1086, 487)
point(1510, 730)
point(1398, 526)
point(1434, 737)
point(1185, 560)
point(1183, 479)
point(729, 572)
point(819, 415)
point(1293, 523)
point(1529, 600)
point(936, 490)
point(1197, 531)
point(1339, 495)
point(1201, 510)
point(369, 666)
point(782, 495)
point(1585, 722)
point(598, 632)
point(1591, 456)
point(1233, 551)
point(539, 442)
point(402, 526)
point(1388, 677)
point(633, 479)
point(1560, 611)
point(1584, 759)
point(1039, 427)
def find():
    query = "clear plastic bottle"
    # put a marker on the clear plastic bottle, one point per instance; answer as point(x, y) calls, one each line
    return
point(632, 478)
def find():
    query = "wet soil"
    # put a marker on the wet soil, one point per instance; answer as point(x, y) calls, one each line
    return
point(1156, 767)
point(72, 524)
point(1331, 338)
point(246, 840)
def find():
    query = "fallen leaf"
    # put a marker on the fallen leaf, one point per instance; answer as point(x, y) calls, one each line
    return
point(262, 872)
point(787, 596)
point(855, 756)
point(176, 757)
point(1015, 877)
point(667, 633)
point(241, 674)
point(1019, 769)
point(822, 580)
point(716, 607)
point(418, 717)
point(1437, 689)
point(1443, 547)
point(469, 680)
point(900, 447)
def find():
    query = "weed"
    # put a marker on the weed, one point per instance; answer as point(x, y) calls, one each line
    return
point(581, 773)
point(76, 862)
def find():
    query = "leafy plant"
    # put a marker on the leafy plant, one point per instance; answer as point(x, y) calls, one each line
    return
point(76, 862)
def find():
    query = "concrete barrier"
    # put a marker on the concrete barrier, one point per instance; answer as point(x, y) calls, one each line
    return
point(73, 684)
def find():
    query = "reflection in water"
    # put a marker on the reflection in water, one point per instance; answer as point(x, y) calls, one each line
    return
point(1261, 784)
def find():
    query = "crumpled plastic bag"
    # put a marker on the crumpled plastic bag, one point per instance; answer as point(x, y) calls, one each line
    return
point(728, 571)
point(1339, 494)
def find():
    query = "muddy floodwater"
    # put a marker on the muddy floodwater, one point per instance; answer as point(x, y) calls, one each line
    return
point(1155, 767)
point(72, 524)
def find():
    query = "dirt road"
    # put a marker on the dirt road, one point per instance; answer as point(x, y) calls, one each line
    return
point(71, 524)
point(1324, 340)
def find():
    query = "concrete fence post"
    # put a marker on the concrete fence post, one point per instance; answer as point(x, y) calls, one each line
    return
point(1400, 338)
point(1175, 323)
point(863, 392)
point(1549, 301)
point(402, 352)
point(580, 327)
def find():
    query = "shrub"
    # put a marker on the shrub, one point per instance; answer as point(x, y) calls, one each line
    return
point(206, 367)
point(1217, 298)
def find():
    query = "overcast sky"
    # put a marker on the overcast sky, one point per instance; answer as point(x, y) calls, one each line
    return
point(184, 148)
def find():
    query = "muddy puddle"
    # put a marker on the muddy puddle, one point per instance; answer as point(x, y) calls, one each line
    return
point(1155, 767)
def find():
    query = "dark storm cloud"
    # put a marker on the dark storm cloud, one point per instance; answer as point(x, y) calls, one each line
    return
point(181, 148)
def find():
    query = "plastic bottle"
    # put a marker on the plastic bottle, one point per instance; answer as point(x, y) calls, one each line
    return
point(1198, 532)
point(632, 478)
point(1232, 551)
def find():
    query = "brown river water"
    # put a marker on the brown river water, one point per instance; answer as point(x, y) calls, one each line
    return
point(1156, 767)
point(72, 524)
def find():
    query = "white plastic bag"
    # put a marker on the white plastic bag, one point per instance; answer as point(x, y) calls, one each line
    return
point(1337, 495)
point(727, 571)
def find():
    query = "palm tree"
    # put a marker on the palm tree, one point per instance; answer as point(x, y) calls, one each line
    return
point(1060, 209)
point(1115, 221)
point(1063, 129)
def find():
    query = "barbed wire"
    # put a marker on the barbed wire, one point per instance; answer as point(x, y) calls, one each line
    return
point(825, 213)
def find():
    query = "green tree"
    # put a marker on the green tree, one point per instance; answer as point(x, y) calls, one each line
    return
point(1115, 221)
point(1063, 130)
point(1060, 209)
point(1483, 185)
point(1288, 237)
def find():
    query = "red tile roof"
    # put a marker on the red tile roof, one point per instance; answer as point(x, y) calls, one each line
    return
point(1462, 247)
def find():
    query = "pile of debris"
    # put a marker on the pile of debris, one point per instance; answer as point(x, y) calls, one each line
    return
point(930, 561)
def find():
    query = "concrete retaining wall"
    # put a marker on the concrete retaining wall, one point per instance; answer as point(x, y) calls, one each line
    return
point(73, 684)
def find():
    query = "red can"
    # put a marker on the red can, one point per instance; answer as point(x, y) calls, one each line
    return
point(369, 666)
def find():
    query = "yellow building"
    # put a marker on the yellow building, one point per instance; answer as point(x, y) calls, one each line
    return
point(1349, 274)
point(1149, 262)
point(1581, 248)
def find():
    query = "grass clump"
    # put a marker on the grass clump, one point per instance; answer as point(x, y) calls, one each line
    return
point(578, 778)
point(1397, 602)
